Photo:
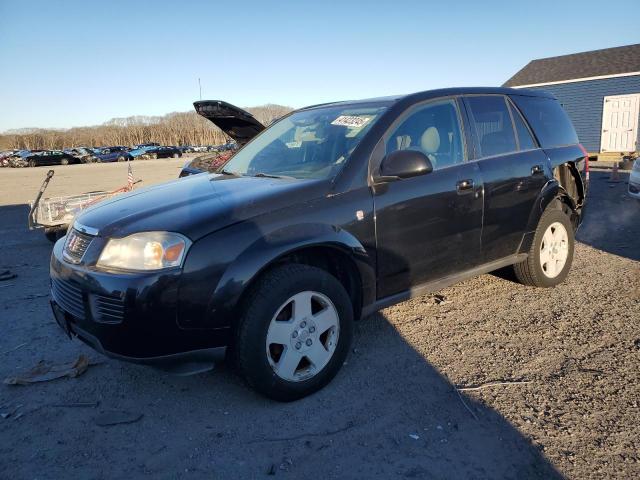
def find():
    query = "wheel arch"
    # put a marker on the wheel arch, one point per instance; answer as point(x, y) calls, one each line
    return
point(552, 192)
point(324, 246)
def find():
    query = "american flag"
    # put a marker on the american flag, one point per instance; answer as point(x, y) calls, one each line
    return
point(129, 175)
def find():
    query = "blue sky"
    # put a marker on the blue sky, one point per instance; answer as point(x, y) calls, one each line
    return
point(74, 63)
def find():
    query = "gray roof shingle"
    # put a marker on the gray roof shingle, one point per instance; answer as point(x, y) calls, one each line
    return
point(609, 61)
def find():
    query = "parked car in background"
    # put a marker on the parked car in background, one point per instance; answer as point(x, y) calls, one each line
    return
point(113, 154)
point(84, 154)
point(7, 156)
point(164, 152)
point(140, 152)
point(229, 145)
point(209, 162)
point(49, 157)
point(236, 123)
point(149, 144)
point(634, 179)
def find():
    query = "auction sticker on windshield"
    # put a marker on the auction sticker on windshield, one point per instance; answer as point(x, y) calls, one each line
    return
point(352, 121)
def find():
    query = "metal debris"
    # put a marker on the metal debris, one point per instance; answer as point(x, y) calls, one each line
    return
point(7, 275)
point(116, 417)
point(440, 299)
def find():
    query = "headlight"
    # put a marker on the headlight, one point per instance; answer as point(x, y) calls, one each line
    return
point(636, 165)
point(145, 251)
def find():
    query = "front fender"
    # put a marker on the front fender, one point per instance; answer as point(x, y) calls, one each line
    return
point(262, 253)
point(246, 260)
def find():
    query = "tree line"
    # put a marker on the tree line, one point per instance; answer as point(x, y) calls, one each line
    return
point(178, 128)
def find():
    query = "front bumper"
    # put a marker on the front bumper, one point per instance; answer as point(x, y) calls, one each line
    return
point(129, 316)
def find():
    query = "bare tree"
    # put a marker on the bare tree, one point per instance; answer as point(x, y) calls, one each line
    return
point(177, 128)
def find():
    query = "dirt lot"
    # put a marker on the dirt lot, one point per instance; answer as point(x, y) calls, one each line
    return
point(569, 359)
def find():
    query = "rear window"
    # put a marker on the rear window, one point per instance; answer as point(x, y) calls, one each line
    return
point(549, 121)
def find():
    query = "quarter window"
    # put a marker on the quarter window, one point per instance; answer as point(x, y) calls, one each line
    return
point(548, 120)
point(492, 123)
point(433, 130)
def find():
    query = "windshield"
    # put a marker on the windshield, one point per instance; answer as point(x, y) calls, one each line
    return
point(308, 144)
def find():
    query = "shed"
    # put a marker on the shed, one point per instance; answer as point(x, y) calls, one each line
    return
point(600, 90)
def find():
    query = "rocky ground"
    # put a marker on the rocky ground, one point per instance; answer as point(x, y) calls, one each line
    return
point(489, 379)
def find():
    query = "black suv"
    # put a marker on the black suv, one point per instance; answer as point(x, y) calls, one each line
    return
point(326, 216)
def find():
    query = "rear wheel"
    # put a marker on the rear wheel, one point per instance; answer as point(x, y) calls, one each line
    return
point(295, 332)
point(121, 158)
point(64, 161)
point(175, 155)
point(154, 156)
point(551, 252)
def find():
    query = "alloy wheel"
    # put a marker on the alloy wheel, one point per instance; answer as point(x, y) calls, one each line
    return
point(554, 250)
point(302, 336)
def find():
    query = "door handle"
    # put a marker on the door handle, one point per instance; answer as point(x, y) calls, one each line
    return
point(464, 186)
point(537, 169)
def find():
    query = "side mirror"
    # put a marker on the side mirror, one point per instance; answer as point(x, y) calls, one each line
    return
point(405, 164)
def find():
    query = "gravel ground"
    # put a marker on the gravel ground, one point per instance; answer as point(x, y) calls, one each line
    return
point(568, 359)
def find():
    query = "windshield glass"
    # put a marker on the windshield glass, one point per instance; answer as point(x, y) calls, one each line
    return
point(308, 144)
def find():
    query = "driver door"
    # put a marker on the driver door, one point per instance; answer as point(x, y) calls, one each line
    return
point(429, 226)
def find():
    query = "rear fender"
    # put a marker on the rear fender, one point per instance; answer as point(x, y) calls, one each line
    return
point(551, 192)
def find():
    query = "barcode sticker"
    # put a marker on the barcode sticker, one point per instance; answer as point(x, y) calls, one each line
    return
point(352, 121)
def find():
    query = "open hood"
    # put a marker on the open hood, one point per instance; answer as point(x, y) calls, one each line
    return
point(238, 124)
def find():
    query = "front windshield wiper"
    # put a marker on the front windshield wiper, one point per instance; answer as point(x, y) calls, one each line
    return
point(268, 175)
point(227, 172)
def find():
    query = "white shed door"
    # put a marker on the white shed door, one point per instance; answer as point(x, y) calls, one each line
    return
point(620, 123)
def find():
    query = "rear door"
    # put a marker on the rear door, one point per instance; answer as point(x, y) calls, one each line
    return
point(514, 170)
point(428, 227)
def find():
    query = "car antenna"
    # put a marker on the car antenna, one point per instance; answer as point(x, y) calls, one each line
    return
point(200, 88)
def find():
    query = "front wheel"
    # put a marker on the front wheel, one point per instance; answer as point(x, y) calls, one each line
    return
point(551, 252)
point(54, 234)
point(295, 332)
point(121, 159)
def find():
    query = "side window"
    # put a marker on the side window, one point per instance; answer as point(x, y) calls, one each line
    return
point(433, 130)
point(524, 135)
point(493, 127)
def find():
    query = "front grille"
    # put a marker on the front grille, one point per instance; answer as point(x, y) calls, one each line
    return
point(76, 245)
point(68, 296)
point(107, 309)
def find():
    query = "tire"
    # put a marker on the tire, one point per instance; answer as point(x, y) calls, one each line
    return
point(154, 156)
point(175, 155)
point(64, 161)
point(547, 269)
point(259, 361)
point(54, 234)
point(121, 159)
point(31, 163)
